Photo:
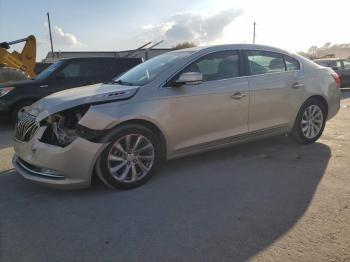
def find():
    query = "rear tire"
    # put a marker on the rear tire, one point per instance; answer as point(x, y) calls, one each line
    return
point(8, 74)
point(131, 158)
point(310, 122)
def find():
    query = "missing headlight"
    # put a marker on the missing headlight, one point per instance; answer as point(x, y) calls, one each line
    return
point(62, 127)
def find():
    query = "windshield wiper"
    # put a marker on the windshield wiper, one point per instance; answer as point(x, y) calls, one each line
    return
point(121, 82)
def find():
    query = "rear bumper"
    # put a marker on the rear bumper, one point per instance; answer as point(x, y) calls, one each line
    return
point(333, 103)
point(66, 168)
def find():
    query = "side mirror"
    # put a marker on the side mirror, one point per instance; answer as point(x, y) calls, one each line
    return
point(60, 76)
point(190, 78)
point(335, 68)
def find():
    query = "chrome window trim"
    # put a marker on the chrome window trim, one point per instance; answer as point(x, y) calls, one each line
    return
point(265, 50)
point(300, 64)
point(163, 85)
point(210, 81)
point(281, 54)
point(274, 73)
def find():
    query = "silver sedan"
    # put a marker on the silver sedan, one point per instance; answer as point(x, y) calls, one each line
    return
point(178, 103)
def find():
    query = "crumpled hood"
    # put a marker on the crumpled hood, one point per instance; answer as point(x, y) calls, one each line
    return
point(81, 95)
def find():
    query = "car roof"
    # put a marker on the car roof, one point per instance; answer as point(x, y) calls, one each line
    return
point(327, 59)
point(100, 58)
point(235, 46)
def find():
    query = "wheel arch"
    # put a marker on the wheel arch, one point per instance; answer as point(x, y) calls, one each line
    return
point(108, 135)
point(321, 99)
point(316, 96)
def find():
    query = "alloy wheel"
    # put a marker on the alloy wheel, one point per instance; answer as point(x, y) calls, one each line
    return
point(131, 158)
point(312, 121)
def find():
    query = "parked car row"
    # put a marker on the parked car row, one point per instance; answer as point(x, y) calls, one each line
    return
point(340, 66)
point(64, 74)
point(179, 103)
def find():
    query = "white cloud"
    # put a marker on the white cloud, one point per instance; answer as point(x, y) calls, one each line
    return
point(192, 26)
point(62, 38)
point(61, 41)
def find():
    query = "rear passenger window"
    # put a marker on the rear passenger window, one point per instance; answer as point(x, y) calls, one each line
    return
point(262, 62)
point(346, 64)
point(291, 63)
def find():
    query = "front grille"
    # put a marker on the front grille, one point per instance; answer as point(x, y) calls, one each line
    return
point(26, 127)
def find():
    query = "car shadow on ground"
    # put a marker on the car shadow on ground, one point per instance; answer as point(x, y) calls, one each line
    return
point(225, 205)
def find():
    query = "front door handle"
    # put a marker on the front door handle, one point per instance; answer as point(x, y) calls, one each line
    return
point(297, 85)
point(238, 95)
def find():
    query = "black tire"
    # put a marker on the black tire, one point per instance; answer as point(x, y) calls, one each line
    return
point(8, 74)
point(102, 167)
point(15, 110)
point(297, 133)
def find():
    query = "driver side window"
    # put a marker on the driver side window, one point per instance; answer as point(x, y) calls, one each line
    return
point(216, 66)
point(71, 70)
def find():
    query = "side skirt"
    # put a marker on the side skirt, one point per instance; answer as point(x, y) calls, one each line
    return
point(238, 139)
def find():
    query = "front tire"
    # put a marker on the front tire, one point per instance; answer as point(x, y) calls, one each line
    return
point(310, 122)
point(131, 158)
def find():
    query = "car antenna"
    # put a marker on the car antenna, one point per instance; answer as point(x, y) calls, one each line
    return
point(137, 49)
point(149, 48)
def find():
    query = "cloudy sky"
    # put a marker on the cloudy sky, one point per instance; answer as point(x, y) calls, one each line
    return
point(109, 25)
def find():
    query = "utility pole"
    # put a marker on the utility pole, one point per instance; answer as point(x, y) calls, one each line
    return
point(48, 19)
point(254, 33)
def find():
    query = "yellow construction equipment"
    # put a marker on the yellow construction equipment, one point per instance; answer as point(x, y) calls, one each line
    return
point(16, 66)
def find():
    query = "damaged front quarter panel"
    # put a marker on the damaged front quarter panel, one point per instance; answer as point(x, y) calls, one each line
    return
point(62, 111)
point(75, 97)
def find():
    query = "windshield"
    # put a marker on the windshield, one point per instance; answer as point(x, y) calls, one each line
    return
point(48, 71)
point(149, 70)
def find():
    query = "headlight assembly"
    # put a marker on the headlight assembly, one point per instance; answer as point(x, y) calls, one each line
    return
point(6, 90)
point(62, 127)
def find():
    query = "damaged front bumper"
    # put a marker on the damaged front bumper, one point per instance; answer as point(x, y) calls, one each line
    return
point(66, 167)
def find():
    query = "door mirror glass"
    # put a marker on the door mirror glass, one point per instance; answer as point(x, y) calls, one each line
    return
point(189, 78)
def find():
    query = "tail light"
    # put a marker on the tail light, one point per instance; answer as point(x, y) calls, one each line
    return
point(337, 79)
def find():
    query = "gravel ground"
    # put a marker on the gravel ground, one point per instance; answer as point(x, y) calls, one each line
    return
point(270, 200)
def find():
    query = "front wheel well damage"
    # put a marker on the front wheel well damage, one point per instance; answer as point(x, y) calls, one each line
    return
point(106, 136)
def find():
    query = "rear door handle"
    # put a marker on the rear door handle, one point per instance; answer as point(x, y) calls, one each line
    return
point(297, 85)
point(238, 95)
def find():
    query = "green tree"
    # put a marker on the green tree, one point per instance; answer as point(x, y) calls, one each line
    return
point(184, 45)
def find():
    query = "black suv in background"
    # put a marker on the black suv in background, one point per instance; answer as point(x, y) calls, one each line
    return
point(340, 66)
point(64, 74)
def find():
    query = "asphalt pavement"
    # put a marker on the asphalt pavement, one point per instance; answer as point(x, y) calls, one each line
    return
point(271, 200)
